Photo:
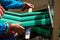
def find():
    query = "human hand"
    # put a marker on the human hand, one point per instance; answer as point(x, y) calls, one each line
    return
point(17, 28)
point(27, 6)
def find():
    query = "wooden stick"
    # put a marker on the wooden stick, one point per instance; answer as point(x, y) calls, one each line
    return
point(56, 19)
point(30, 10)
point(50, 14)
point(27, 34)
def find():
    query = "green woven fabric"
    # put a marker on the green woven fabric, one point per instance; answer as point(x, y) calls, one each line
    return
point(25, 14)
point(42, 31)
point(25, 18)
point(39, 21)
point(28, 19)
point(31, 23)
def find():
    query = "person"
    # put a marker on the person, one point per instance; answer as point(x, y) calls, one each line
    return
point(7, 30)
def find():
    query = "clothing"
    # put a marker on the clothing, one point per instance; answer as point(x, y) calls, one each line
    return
point(3, 28)
point(9, 4)
point(12, 4)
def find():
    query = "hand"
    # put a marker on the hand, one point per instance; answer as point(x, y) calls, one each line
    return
point(1, 11)
point(27, 6)
point(17, 28)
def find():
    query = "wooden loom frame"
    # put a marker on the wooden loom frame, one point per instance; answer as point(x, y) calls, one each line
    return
point(56, 19)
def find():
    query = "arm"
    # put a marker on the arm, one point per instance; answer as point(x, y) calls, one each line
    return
point(9, 28)
point(12, 4)
point(15, 4)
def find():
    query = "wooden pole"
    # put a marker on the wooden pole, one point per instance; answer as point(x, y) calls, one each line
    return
point(56, 19)
point(27, 36)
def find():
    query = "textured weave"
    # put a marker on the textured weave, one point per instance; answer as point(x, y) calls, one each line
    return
point(39, 21)
point(28, 19)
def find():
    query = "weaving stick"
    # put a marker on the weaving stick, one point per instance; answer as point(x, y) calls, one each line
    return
point(27, 33)
point(50, 15)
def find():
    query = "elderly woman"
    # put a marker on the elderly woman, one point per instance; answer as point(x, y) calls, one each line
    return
point(7, 30)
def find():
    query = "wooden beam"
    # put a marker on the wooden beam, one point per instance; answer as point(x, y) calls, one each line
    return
point(56, 19)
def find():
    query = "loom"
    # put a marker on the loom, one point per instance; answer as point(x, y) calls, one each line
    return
point(29, 19)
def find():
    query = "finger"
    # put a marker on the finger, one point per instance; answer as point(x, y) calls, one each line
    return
point(13, 32)
point(20, 26)
point(30, 5)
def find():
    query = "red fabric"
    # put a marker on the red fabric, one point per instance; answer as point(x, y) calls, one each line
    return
point(10, 33)
point(11, 30)
point(1, 10)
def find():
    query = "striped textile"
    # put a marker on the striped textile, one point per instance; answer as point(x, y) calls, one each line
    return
point(1, 10)
point(39, 21)
point(28, 19)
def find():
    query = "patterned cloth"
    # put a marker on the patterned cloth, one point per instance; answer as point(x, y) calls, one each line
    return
point(28, 19)
point(13, 4)
point(36, 20)
point(39, 21)
point(1, 10)
point(40, 24)
point(4, 28)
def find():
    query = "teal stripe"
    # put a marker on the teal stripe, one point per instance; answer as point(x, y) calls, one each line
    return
point(36, 22)
point(25, 14)
point(3, 20)
point(25, 18)
point(28, 23)
point(42, 31)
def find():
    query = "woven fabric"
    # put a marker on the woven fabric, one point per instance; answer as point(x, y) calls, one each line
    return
point(42, 31)
point(39, 21)
point(28, 19)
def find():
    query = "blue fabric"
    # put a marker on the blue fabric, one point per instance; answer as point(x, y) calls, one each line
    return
point(2, 28)
point(12, 4)
point(9, 4)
